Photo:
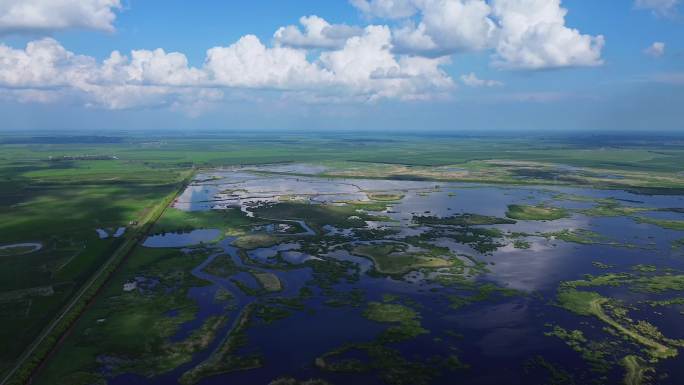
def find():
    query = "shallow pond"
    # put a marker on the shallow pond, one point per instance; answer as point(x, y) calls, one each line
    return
point(194, 237)
point(20, 248)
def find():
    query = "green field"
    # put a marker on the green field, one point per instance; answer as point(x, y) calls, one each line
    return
point(60, 204)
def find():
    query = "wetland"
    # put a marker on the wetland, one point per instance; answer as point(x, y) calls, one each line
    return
point(320, 260)
point(265, 275)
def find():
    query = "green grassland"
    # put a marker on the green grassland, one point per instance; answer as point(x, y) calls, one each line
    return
point(269, 281)
point(318, 215)
point(640, 162)
point(536, 213)
point(393, 259)
point(385, 197)
point(60, 205)
point(175, 220)
point(134, 326)
point(223, 359)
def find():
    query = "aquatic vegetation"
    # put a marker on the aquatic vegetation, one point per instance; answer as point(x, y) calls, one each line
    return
point(601, 265)
point(391, 366)
point(461, 220)
point(613, 209)
point(664, 223)
point(611, 279)
point(224, 359)
point(658, 283)
point(636, 371)
point(388, 312)
point(368, 206)
point(478, 293)
point(640, 283)
point(597, 354)
point(385, 196)
point(269, 281)
point(317, 215)
point(555, 374)
point(406, 318)
point(666, 302)
point(678, 244)
point(222, 266)
point(169, 356)
point(536, 213)
point(254, 241)
point(580, 302)
point(521, 244)
point(394, 259)
point(581, 236)
point(583, 198)
point(482, 239)
point(454, 362)
point(327, 273)
point(592, 304)
point(643, 268)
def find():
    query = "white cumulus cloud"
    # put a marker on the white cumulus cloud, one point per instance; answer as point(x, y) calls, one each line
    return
point(249, 63)
point(17, 16)
point(367, 64)
point(657, 49)
point(523, 34)
point(315, 61)
point(364, 69)
point(534, 36)
point(45, 70)
point(318, 33)
point(448, 26)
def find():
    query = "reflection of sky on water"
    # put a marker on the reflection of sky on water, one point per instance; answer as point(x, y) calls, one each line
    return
point(182, 239)
point(532, 270)
point(293, 168)
point(267, 254)
point(529, 269)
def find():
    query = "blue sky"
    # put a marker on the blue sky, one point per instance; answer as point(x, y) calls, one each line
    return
point(409, 65)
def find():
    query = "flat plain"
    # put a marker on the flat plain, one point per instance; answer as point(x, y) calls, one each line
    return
point(404, 260)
